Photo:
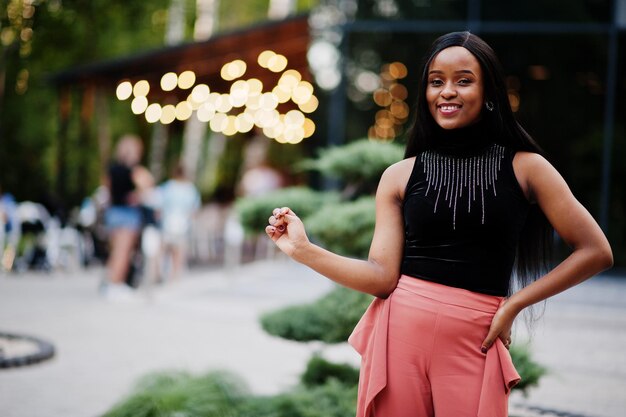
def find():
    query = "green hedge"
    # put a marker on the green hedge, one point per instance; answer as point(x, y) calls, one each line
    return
point(219, 394)
point(346, 228)
point(359, 164)
point(216, 394)
point(329, 319)
point(254, 211)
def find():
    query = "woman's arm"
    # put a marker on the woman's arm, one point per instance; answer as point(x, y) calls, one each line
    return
point(378, 275)
point(591, 252)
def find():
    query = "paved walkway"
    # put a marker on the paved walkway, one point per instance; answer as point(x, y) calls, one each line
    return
point(209, 320)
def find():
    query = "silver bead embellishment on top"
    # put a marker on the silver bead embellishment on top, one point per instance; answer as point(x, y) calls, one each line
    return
point(465, 178)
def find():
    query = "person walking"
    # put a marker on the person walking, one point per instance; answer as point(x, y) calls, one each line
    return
point(180, 200)
point(126, 181)
point(473, 201)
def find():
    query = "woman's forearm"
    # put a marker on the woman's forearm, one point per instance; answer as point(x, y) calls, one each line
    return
point(366, 276)
point(579, 266)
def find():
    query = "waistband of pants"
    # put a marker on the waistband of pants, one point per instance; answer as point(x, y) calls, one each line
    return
point(450, 295)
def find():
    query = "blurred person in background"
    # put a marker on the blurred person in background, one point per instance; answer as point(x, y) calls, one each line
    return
point(126, 181)
point(179, 202)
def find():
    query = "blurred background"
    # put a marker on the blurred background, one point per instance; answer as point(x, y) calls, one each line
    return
point(62, 62)
point(250, 98)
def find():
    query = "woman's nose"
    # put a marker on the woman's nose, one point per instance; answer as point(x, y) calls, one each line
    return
point(448, 91)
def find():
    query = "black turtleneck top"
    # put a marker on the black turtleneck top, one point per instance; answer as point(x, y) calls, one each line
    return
point(463, 213)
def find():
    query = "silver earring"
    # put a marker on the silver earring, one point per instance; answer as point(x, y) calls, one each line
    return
point(489, 105)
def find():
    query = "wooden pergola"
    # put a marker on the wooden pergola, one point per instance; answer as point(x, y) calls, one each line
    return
point(95, 82)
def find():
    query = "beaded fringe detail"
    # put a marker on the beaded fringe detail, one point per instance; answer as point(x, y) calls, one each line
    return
point(462, 179)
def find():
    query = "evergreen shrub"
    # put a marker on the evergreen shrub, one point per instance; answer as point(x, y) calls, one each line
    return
point(359, 164)
point(254, 211)
point(330, 319)
point(319, 371)
point(346, 228)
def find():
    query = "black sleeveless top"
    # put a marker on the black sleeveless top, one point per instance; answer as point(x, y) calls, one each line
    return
point(463, 213)
point(121, 183)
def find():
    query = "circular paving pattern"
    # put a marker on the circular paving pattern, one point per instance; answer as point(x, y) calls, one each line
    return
point(21, 350)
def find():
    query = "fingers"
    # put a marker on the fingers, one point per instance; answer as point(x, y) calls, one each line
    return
point(278, 221)
point(490, 339)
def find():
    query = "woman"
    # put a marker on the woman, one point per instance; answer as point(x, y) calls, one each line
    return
point(452, 219)
point(126, 181)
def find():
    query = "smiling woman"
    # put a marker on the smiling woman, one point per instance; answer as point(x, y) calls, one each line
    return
point(455, 88)
point(472, 200)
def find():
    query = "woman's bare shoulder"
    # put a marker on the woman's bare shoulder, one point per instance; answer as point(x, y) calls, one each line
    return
point(396, 176)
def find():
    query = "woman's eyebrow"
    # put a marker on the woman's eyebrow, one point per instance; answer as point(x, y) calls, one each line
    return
point(464, 71)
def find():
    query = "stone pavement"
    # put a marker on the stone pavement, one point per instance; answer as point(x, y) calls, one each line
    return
point(209, 320)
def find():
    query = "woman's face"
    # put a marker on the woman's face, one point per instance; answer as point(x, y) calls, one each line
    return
point(454, 92)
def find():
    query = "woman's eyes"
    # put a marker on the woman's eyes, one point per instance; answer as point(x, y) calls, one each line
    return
point(438, 82)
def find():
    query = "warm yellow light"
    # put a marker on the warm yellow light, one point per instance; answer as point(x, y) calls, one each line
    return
point(289, 80)
point(264, 58)
point(219, 122)
point(230, 128)
point(223, 105)
point(254, 85)
point(309, 127)
point(183, 110)
point(277, 63)
point(168, 114)
point(169, 81)
point(385, 122)
point(310, 106)
point(280, 139)
point(224, 73)
point(244, 122)
point(293, 134)
point(153, 113)
point(266, 118)
point(206, 112)
point(194, 104)
point(398, 91)
point(253, 101)
point(139, 104)
point(399, 109)
point(397, 70)
point(268, 101)
point(236, 69)
point(200, 93)
point(124, 90)
point(239, 93)
point(382, 97)
point(141, 88)
point(294, 118)
point(186, 80)
point(281, 95)
point(302, 92)
point(215, 99)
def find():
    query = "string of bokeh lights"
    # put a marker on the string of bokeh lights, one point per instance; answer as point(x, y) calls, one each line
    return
point(391, 96)
point(245, 106)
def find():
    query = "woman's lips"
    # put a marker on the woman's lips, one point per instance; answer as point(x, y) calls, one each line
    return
point(448, 109)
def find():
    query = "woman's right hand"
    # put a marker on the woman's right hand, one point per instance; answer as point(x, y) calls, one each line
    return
point(286, 230)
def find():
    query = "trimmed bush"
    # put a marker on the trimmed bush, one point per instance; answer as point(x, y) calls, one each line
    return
point(254, 211)
point(332, 399)
point(330, 319)
point(529, 370)
point(360, 163)
point(346, 228)
point(216, 394)
point(319, 371)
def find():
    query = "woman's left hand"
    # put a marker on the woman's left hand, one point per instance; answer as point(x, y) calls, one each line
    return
point(501, 325)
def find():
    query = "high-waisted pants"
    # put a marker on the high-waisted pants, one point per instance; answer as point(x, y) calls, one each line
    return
point(421, 354)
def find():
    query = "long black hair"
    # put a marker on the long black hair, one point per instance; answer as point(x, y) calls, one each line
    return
point(536, 240)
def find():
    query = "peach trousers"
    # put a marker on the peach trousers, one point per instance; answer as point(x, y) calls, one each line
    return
point(420, 354)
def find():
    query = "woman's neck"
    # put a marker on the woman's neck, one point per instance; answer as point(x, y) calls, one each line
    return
point(462, 141)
